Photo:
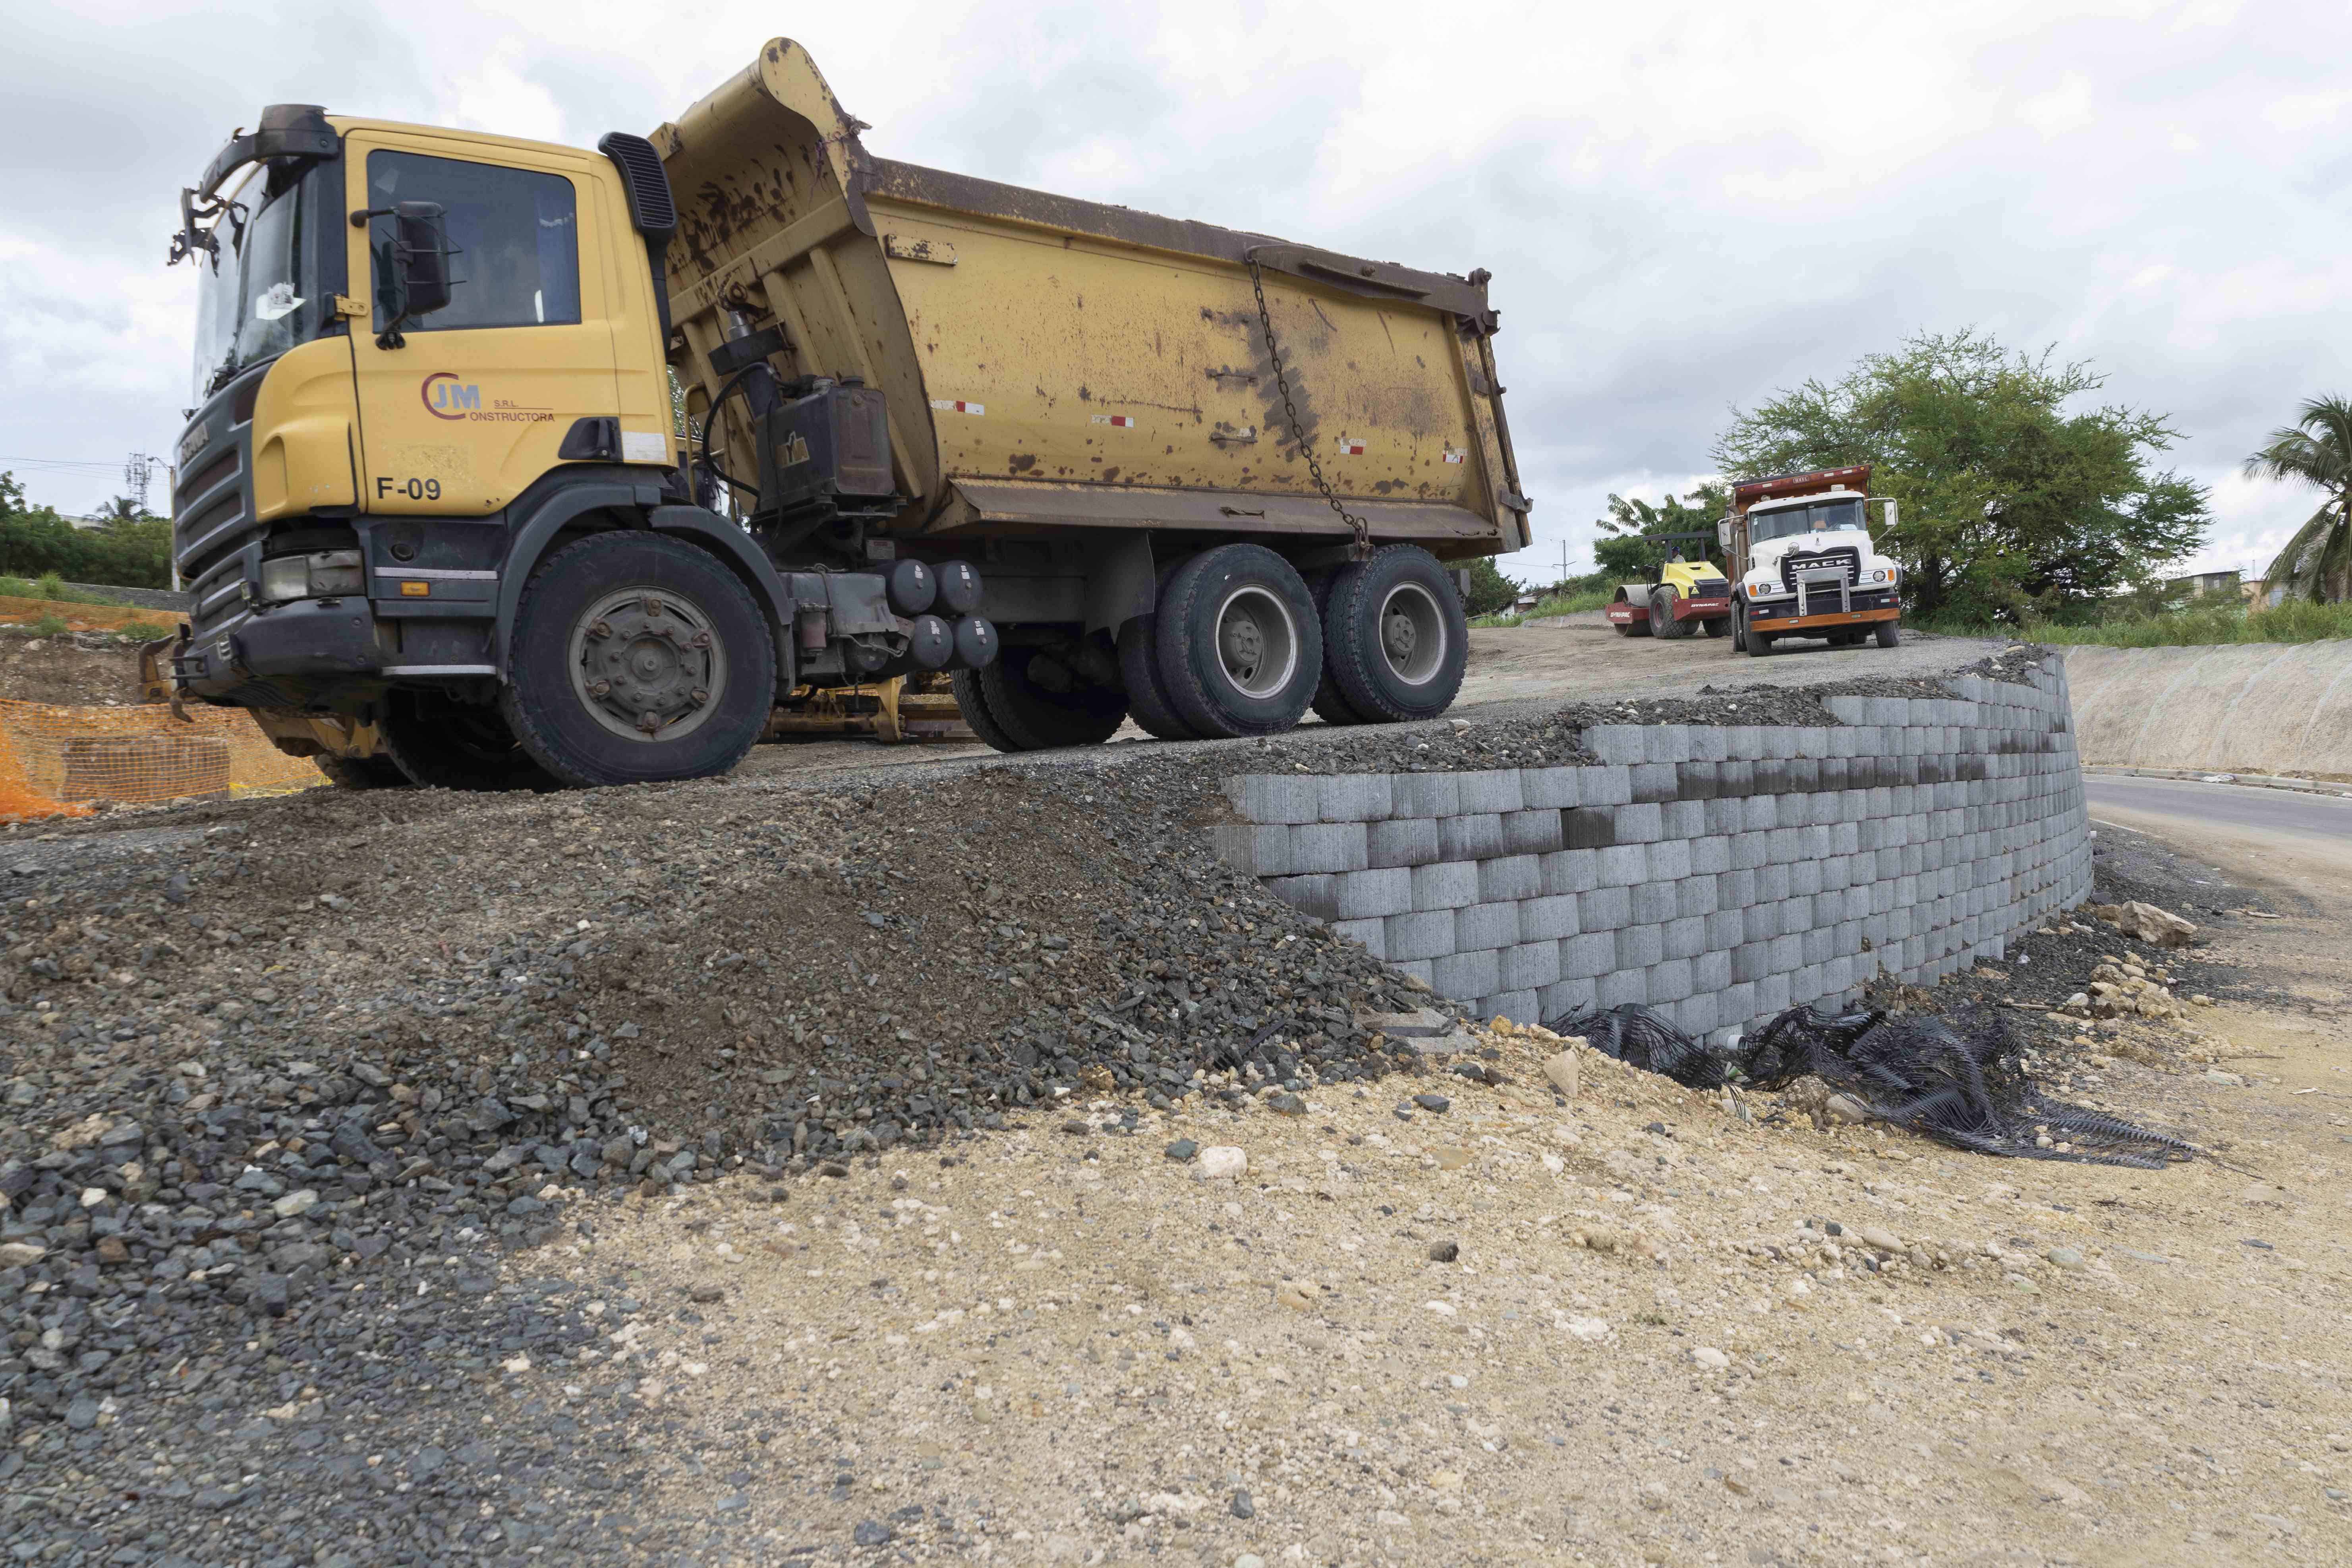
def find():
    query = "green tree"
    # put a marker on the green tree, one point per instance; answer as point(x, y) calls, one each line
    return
point(132, 550)
point(1625, 554)
point(1490, 591)
point(2014, 504)
point(2315, 450)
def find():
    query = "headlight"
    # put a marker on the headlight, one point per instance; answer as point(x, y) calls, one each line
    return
point(322, 574)
point(1764, 588)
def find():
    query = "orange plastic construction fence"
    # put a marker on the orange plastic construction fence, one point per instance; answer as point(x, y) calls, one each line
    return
point(55, 760)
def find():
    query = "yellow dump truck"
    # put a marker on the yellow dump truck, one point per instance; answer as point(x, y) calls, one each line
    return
point(438, 516)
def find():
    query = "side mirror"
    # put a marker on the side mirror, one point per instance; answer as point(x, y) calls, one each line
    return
point(1888, 502)
point(412, 267)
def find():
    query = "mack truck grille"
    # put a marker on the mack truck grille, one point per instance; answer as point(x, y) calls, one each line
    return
point(1816, 566)
point(213, 529)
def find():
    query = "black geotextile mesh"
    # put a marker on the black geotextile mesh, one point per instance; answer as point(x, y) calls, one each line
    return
point(1961, 1081)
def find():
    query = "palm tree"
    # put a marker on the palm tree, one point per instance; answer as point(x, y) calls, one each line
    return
point(2317, 450)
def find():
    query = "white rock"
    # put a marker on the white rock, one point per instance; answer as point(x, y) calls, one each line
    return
point(517, 1363)
point(1586, 1329)
point(14, 1253)
point(1561, 1070)
point(92, 1196)
point(1219, 1162)
point(293, 1203)
point(1710, 1358)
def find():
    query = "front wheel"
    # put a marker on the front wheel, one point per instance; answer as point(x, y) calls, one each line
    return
point(1887, 634)
point(638, 658)
point(1715, 625)
point(1396, 636)
point(1663, 622)
point(1750, 641)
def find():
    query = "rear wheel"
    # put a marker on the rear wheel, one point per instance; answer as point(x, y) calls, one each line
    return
point(1330, 703)
point(1716, 625)
point(379, 771)
point(437, 742)
point(638, 658)
point(1399, 639)
point(1847, 639)
point(1148, 703)
point(1888, 634)
point(974, 704)
point(1239, 651)
point(1041, 704)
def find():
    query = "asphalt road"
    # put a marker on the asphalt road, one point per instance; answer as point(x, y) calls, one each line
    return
point(2305, 837)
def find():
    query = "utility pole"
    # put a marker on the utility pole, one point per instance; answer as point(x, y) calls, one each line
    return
point(137, 470)
point(1563, 562)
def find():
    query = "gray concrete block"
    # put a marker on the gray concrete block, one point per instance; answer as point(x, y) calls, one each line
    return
point(1684, 938)
point(1549, 788)
point(1519, 1006)
point(1683, 819)
point(1654, 902)
point(1611, 785)
point(1486, 926)
point(1427, 933)
point(1656, 782)
point(1566, 999)
point(1547, 918)
point(1617, 743)
point(1640, 946)
point(1698, 896)
point(1639, 823)
point(1425, 794)
point(1535, 832)
point(1698, 1013)
point(1605, 909)
point(1509, 877)
point(1669, 860)
point(1710, 970)
point(1367, 895)
point(1571, 871)
point(1419, 968)
point(1588, 955)
point(1465, 976)
point(1327, 847)
point(1252, 849)
point(1354, 797)
point(1669, 981)
point(1710, 856)
point(1494, 790)
point(1736, 1006)
point(1371, 935)
point(1771, 996)
point(1444, 885)
point(1470, 837)
point(1276, 798)
point(1622, 986)
point(1620, 864)
point(1531, 965)
point(1726, 928)
point(1400, 841)
point(1309, 895)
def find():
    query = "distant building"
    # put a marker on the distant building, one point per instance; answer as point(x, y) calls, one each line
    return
point(2201, 583)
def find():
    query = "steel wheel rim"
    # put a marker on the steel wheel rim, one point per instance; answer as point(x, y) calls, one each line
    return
point(1257, 641)
point(647, 663)
point(1413, 634)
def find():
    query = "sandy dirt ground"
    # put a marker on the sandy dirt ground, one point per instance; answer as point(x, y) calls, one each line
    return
point(1615, 1327)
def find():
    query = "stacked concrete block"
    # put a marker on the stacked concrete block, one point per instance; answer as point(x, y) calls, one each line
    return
point(1718, 874)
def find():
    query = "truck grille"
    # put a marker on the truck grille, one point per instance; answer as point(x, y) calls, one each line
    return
point(213, 527)
point(1843, 557)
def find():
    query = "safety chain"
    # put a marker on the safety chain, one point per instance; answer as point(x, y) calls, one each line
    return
point(1362, 530)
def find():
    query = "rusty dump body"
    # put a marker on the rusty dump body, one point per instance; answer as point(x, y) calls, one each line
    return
point(1069, 373)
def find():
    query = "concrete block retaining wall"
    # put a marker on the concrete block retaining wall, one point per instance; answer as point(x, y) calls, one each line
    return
point(1718, 873)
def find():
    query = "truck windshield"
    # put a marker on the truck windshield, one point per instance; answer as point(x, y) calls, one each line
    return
point(1825, 517)
point(253, 298)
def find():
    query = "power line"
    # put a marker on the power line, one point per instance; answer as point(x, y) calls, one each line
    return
point(61, 463)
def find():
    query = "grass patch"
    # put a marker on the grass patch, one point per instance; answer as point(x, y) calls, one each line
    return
point(1557, 604)
point(51, 587)
point(2196, 627)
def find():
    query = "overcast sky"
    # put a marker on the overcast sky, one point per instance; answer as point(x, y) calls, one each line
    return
point(1685, 207)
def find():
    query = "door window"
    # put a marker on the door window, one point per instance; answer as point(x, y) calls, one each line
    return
point(515, 235)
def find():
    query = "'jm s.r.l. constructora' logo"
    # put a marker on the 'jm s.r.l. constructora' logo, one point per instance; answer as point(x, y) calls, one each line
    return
point(447, 397)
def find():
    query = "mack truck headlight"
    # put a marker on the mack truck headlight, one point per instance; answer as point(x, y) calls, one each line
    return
point(1765, 588)
point(320, 574)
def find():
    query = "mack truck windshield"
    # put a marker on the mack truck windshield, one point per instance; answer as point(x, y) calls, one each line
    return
point(1802, 565)
point(442, 521)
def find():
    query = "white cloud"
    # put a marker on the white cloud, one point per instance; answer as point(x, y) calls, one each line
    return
point(1684, 205)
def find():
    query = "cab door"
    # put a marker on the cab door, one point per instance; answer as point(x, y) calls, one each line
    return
point(475, 403)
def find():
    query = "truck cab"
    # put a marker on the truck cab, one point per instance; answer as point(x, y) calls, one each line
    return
point(1803, 563)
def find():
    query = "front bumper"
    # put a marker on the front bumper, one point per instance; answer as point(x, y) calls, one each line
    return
point(303, 640)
